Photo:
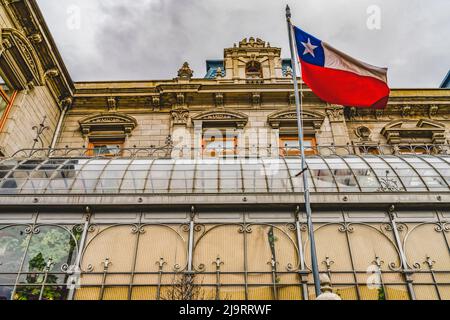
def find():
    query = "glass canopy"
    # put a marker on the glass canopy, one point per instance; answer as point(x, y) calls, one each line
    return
point(371, 173)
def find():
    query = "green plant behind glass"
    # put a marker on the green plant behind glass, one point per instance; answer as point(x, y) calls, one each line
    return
point(54, 245)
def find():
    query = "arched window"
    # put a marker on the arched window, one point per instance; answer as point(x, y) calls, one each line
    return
point(253, 69)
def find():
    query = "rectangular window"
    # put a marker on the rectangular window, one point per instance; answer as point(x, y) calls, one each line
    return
point(6, 100)
point(290, 147)
point(217, 146)
point(105, 148)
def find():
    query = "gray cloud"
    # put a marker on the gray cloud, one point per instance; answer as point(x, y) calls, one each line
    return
point(150, 39)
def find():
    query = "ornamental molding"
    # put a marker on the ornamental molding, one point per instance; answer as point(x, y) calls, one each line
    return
point(251, 49)
point(253, 43)
point(363, 133)
point(219, 99)
point(180, 116)
point(185, 72)
point(18, 60)
point(222, 117)
point(312, 121)
point(423, 131)
point(108, 122)
point(335, 113)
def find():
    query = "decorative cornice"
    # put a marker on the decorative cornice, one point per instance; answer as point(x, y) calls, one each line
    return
point(180, 116)
point(335, 113)
point(363, 133)
point(288, 118)
point(425, 131)
point(219, 99)
point(18, 60)
point(233, 118)
point(108, 122)
point(256, 99)
point(111, 104)
point(185, 72)
point(27, 17)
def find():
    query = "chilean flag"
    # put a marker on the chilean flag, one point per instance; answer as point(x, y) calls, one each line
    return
point(338, 78)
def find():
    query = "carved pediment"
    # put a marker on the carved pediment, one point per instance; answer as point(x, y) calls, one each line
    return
point(114, 123)
point(287, 118)
point(18, 60)
point(222, 117)
point(252, 43)
point(423, 131)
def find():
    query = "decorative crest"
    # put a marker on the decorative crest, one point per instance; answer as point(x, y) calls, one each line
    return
point(185, 72)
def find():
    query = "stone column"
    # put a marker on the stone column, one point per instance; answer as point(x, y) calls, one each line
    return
point(339, 129)
point(275, 140)
point(198, 135)
point(180, 134)
point(240, 140)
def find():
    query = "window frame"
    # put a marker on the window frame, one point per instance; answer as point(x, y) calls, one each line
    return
point(9, 103)
point(295, 153)
point(93, 143)
point(223, 152)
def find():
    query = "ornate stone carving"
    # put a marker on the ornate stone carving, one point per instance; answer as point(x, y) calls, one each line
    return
point(180, 116)
point(111, 104)
point(292, 99)
point(256, 99)
point(219, 99)
point(18, 60)
point(433, 111)
point(51, 73)
point(223, 117)
point(379, 114)
point(252, 43)
point(66, 103)
point(353, 113)
point(406, 111)
point(156, 102)
point(108, 124)
point(335, 113)
point(219, 73)
point(312, 121)
point(185, 72)
point(181, 98)
point(35, 38)
point(363, 133)
point(424, 131)
point(288, 73)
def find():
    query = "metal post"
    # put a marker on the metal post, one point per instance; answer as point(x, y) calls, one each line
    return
point(314, 264)
point(76, 269)
point(301, 255)
point(191, 241)
point(405, 268)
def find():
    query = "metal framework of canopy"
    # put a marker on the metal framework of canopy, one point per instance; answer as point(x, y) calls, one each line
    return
point(369, 173)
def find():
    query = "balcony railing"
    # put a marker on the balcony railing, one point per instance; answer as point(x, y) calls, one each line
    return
point(176, 152)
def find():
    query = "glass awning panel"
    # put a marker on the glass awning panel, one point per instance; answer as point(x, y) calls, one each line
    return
point(346, 174)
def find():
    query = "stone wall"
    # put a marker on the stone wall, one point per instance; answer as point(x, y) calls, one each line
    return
point(151, 129)
point(29, 109)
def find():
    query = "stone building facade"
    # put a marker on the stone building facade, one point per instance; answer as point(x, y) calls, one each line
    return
point(131, 190)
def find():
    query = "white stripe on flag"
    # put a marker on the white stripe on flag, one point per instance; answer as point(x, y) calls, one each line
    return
point(335, 59)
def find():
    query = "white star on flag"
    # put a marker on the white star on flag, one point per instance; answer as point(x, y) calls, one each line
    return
point(309, 48)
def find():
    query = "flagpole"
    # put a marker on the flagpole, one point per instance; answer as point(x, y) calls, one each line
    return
point(298, 102)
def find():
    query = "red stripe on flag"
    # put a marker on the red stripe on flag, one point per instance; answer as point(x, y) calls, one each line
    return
point(344, 87)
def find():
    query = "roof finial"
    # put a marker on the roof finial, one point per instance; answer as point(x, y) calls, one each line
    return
point(288, 12)
point(185, 73)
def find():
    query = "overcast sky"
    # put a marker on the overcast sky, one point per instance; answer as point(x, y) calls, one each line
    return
point(150, 39)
